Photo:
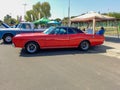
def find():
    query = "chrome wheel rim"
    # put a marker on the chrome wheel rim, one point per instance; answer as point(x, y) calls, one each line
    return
point(84, 45)
point(8, 39)
point(31, 48)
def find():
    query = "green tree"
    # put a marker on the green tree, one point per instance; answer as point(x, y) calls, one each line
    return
point(38, 11)
point(58, 19)
point(65, 21)
point(113, 14)
point(9, 20)
point(30, 16)
point(45, 9)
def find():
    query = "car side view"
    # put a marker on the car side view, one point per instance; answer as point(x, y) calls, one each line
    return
point(57, 37)
point(6, 34)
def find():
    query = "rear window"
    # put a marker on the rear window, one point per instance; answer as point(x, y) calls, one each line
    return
point(77, 30)
point(71, 31)
point(74, 31)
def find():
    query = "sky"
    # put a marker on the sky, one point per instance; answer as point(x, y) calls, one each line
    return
point(59, 8)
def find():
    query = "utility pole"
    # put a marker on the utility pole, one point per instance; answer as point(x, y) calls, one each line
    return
point(24, 9)
point(69, 22)
point(108, 12)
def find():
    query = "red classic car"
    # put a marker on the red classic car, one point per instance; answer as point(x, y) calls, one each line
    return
point(57, 37)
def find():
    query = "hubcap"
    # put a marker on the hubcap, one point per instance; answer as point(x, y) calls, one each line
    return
point(31, 48)
point(84, 45)
point(8, 39)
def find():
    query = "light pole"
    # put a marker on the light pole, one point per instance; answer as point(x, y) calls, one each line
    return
point(24, 9)
point(69, 22)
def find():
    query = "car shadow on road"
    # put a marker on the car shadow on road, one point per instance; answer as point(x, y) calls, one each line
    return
point(2, 43)
point(54, 52)
point(112, 39)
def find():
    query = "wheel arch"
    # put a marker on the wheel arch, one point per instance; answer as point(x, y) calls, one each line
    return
point(32, 41)
point(85, 40)
point(7, 34)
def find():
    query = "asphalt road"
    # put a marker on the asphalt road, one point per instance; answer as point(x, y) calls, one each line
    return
point(64, 69)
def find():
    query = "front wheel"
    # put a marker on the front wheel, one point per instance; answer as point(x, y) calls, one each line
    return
point(31, 47)
point(84, 45)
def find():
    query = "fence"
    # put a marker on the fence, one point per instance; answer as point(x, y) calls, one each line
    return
point(111, 29)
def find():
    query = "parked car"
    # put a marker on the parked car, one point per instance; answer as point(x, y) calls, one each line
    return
point(24, 27)
point(57, 37)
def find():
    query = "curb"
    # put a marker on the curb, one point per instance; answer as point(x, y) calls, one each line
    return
point(113, 53)
point(113, 45)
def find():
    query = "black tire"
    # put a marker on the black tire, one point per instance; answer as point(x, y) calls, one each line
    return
point(7, 38)
point(31, 47)
point(84, 45)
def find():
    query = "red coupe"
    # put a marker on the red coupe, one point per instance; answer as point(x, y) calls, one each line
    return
point(57, 37)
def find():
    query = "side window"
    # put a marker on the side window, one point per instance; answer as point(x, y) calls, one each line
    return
point(55, 31)
point(77, 30)
point(28, 26)
point(59, 31)
point(71, 31)
point(62, 31)
point(25, 26)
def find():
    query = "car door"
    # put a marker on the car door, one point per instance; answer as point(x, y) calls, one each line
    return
point(58, 38)
point(75, 36)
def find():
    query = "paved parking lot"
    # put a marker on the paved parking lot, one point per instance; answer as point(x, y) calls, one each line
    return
point(63, 69)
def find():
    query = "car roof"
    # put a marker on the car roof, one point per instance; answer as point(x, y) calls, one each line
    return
point(66, 27)
point(74, 28)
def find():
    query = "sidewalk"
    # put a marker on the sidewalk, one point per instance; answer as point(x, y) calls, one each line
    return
point(114, 43)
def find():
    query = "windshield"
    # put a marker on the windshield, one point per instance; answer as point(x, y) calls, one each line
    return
point(49, 30)
point(18, 26)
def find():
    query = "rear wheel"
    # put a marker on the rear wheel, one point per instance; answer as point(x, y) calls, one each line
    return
point(84, 45)
point(7, 38)
point(31, 47)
